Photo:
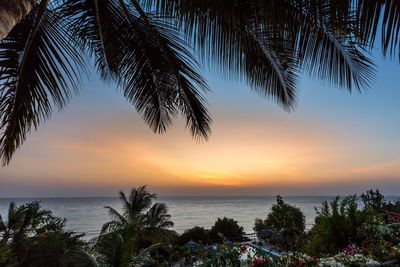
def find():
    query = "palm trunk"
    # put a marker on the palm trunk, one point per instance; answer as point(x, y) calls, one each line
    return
point(11, 12)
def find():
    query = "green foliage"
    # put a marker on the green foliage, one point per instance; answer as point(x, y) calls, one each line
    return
point(373, 199)
point(336, 226)
point(223, 255)
point(7, 259)
point(285, 220)
point(32, 236)
point(197, 234)
point(340, 224)
point(228, 228)
point(139, 236)
point(142, 225)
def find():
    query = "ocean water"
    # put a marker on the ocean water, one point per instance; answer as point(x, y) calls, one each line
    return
point(87, 215)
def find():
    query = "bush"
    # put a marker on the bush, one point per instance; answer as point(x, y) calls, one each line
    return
point(336, 226)
point(229, 228)
point(285, 221)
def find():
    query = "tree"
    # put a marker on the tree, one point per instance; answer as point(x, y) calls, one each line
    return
point(287, 221)
point(32, 236)
point(145, 47)
point(110, 251)
point(228, 228)
point(142, 223)
point(373, 199)
point(336, 226)
point(139, 211)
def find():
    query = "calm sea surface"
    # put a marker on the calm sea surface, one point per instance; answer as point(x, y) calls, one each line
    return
point(86, 215)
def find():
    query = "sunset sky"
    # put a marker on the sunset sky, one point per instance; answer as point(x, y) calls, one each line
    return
point(333, 143)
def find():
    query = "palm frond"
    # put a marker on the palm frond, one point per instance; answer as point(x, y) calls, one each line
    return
point(115, 215)
point(160, 76)
point(270, 69)
point(111, 226)
point(157, 217)
point(38, 69)
point(144, 258)
point(95, 27)
point(110, 248)
point(334, 59)
point(371, 14)
point(140, 199)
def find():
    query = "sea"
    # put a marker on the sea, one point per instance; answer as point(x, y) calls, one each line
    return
point(87, 215)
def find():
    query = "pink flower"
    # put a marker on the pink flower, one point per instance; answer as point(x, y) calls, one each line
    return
point(302, 262)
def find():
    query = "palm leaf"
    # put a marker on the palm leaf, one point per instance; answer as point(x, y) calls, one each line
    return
point(333, 58)
point(316, 36)
point(157, 217)
point(95, 27)
point(110, 248)
point(161, 77)
point(144, 258)
point(37, 71)
point(371, 14)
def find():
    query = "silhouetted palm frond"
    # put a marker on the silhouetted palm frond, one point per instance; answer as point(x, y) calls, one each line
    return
point(157, 217)
point(146, 47)
point(38, 71)
point(95, 27)
point(160, 76)
point(384, 13)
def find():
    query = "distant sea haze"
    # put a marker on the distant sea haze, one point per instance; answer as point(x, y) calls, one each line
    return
point(87, 215)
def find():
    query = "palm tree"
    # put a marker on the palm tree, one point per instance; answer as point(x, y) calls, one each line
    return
point(109, 252)
point(32, 236)
point(139, 210)
point(146, 48)
point(23, 221)
point(142, 223)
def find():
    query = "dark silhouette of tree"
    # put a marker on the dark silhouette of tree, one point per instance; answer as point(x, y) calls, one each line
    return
point(226, 228)
point(285, 221)
point(32, 236)
point(141, 224)
point(336, 226)
point(373, 199)
point(146, 48)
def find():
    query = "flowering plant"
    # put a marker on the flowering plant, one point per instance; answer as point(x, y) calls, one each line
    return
point(350, 256)
point(301, 259)
point(262, 262)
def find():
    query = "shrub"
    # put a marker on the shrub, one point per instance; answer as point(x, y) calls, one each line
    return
point(229, 228)
point(336, 226)
point(287, 222)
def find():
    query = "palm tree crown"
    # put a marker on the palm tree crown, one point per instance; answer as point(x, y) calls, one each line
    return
point(139, 212)
point(146, 47)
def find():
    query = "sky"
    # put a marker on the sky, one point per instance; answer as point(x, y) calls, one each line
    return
point(334, 143)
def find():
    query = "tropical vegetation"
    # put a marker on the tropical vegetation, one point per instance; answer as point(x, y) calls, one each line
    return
point(147, 49)
point(286, 223)
point(139, 234)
